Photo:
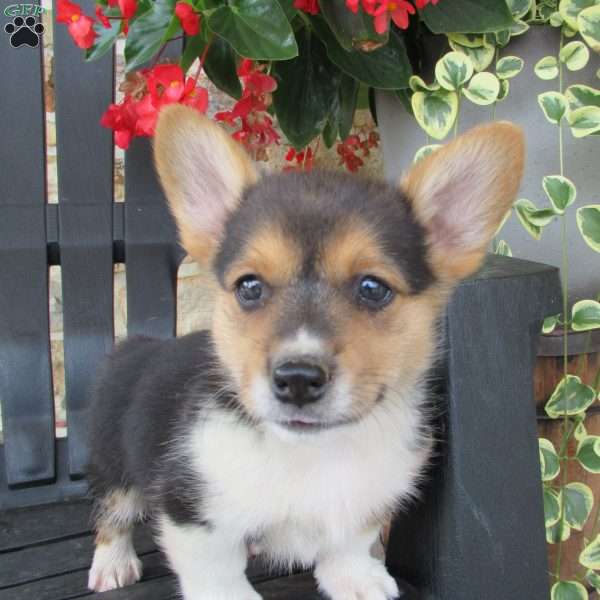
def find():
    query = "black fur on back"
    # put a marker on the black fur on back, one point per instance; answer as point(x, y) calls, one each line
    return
point(147, 390)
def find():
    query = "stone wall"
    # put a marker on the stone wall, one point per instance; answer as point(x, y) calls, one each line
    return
point(194, 289)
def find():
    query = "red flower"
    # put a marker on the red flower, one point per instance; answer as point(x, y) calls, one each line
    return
point(102, 17)
point(304, 159)
point(367, 5)
point(256, 130)
point(423, 3)
point(154, 88)
point(398, 10)
point(189, 19)
point(128, 8)
point(309, 6)
point(80, 26)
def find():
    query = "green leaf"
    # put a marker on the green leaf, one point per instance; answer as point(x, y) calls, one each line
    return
point(348, 95)
point(288, 8)
point(585, 315)
point(568, 590)
point(551, 506)
point(417, 84)
point(220, 64)
point(509, 66)
point(554, 106)
point(519, 8)
point(584, 121)
point(467, 16)
point(549, 324)
point(580, 431)
point(575, 55)
point(468, 40)
point(570, 397)
point(570, 9)
point(106, 37)
point(532, 218)
point(386, 68)
point(504, 89)
point(589, 26)
point(588, 453)
point(593, 579)
point(558, 532)
point(580, 95)
point(551, 462)
point(481, 57)
point(453, 70)
point(547, 68)
point(588, 221)
point(483, 89)
point(256, 29)
point(518, 28)
point(352, 30)
point(590, 556)
point(308, 87)
point(330, 133)
point(425, 151)
point(560, 191)
point(556, 19)
point(435, 112)
point(579, 500)
point(503, 249)
point(148, 32)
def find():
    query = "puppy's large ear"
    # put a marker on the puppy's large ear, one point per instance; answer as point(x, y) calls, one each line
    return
point(203, 172)
point(461, 192)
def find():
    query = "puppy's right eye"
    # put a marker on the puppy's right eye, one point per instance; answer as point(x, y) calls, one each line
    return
point(250, 291)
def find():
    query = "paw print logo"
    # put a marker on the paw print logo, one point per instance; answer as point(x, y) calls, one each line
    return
point(24, 32)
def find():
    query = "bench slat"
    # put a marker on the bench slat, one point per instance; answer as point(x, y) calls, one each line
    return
point(25, 374)
point(85, 177)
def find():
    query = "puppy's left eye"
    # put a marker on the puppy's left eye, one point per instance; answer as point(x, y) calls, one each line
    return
point(373, 292)
point(250, 291)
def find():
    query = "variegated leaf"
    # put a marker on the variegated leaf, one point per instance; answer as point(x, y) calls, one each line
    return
point(588, 221)
point(453, 70)
point(435, 112)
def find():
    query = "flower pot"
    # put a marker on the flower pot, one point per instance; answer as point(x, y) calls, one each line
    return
point(584, 361)
point(401, 137)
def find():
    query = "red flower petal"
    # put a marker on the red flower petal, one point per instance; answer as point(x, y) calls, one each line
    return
point(102, 17)
point(128, 8)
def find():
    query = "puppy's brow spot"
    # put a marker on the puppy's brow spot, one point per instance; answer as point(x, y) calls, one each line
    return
point(354, 250)
point(269, 254)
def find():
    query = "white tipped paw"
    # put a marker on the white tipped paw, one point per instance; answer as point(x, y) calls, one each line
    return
point(364, 579)
point(113, 568)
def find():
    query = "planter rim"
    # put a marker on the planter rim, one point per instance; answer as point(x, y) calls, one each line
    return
point(552, 345)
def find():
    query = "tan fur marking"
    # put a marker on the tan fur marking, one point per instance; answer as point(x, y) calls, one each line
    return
point(203, 172)
point(353, 251)
point(269, 254)
point(461, 192)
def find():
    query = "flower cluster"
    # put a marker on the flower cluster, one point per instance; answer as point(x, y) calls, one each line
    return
point(381, 10)
point(255, 127)
point(79, 25)
point(146, 92)
point(303, 160)
point(349, 148)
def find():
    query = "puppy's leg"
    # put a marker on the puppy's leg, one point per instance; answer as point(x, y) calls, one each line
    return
point(115, 562)
point(209, 562)
point(351, 573)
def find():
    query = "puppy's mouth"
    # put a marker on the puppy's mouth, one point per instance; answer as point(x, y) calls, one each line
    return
point(311, 426)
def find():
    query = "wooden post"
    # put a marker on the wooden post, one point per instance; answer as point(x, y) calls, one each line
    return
point(478, 532)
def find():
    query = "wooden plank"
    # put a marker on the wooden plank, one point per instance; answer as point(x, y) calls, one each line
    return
point(25, 374)
point(151, 251)
point(85, 177)
point(479, 531)
point(74, 584)
point(64, 556)
point(37, 525)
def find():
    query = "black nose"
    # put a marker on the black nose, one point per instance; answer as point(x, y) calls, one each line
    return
point(299, 383)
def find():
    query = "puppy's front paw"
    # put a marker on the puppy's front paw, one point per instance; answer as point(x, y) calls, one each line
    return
point(113, 569)
point(357, 579)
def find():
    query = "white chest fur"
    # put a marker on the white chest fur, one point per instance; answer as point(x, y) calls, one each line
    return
point(303, 494)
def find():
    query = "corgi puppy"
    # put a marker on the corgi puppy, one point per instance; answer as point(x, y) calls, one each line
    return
point(299, 422)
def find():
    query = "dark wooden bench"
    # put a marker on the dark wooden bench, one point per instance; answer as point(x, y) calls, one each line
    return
point(478, 533)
